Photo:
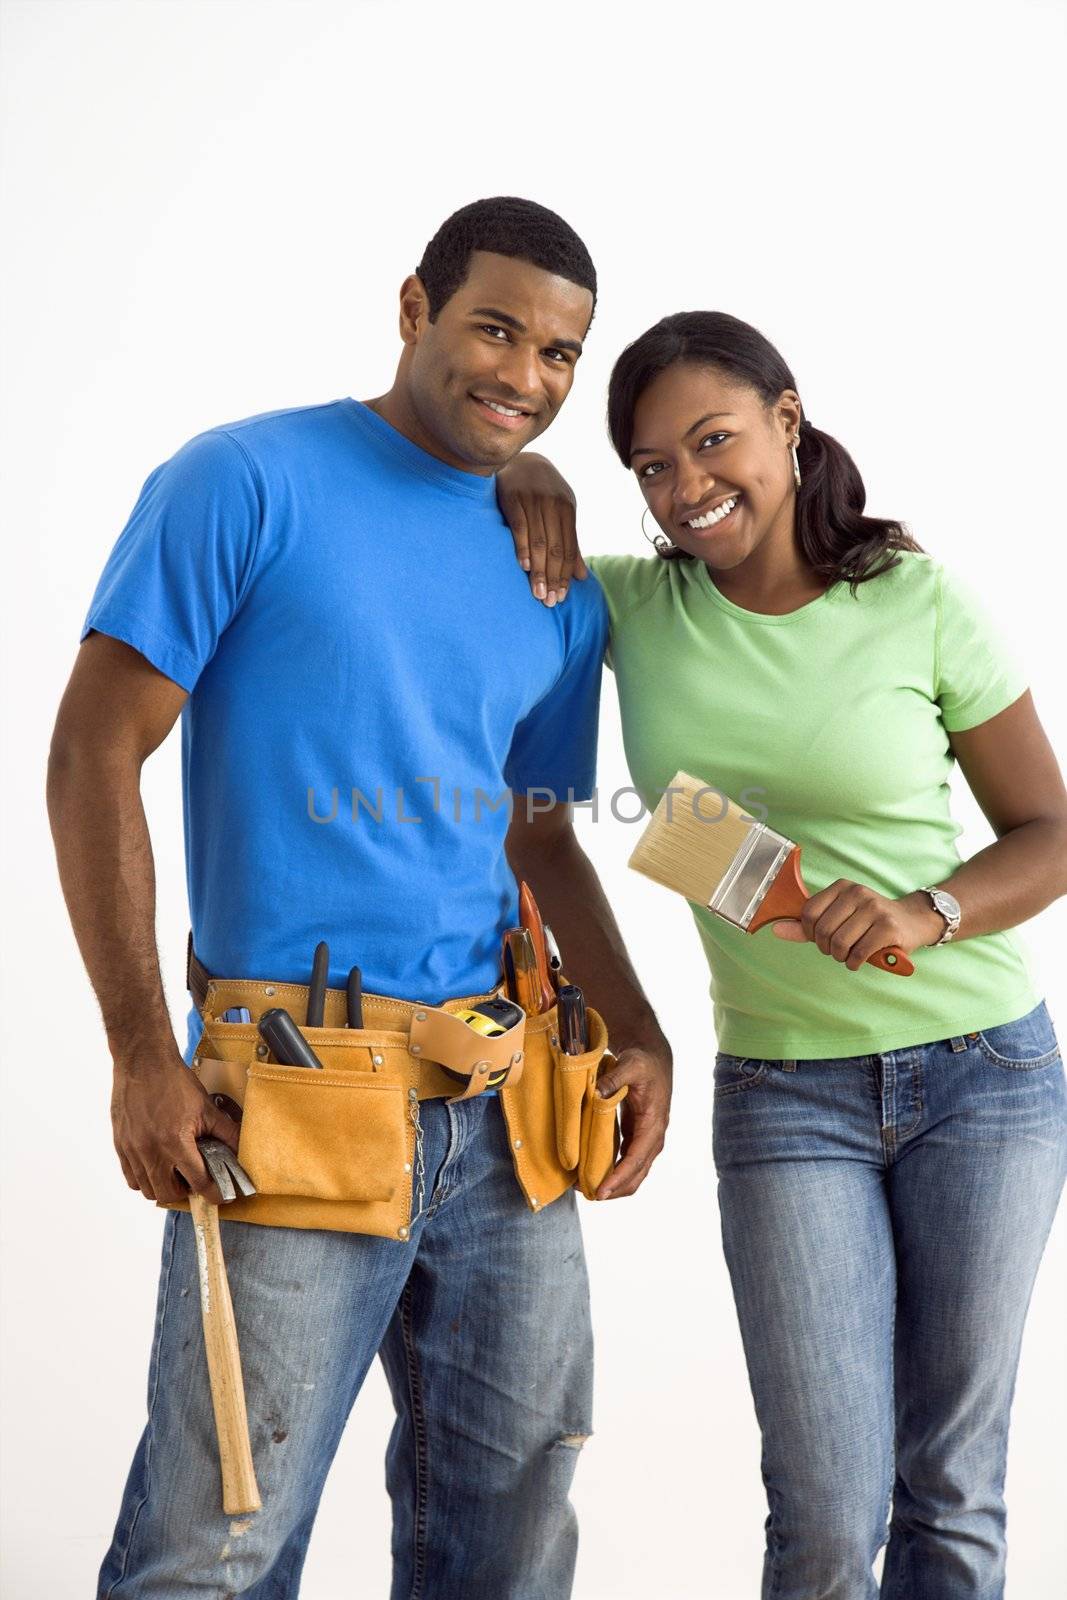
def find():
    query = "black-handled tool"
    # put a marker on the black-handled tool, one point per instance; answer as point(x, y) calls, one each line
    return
point(573, 1023)
point(287, 1043)
point(320, 972)
point(354, 998)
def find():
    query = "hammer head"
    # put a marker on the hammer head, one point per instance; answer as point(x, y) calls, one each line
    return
point(227, 1173)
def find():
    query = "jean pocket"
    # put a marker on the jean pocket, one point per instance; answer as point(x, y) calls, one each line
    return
point(737, 1072)
point(1024, 1045)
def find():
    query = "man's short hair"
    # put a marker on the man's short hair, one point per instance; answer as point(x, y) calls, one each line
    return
point(507, 226)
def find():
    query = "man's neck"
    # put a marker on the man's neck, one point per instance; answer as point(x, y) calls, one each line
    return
point(395, 408)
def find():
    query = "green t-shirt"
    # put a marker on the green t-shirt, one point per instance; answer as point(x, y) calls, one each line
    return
point(835, 718)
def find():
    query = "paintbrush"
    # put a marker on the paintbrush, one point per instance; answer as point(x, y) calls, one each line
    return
point(699, 843)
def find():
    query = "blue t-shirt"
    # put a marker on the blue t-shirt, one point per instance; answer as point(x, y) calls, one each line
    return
point(368, 677)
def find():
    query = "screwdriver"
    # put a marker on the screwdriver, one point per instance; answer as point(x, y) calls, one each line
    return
point(573, 1023)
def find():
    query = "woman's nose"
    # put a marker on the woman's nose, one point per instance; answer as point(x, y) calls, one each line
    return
point(691, 487)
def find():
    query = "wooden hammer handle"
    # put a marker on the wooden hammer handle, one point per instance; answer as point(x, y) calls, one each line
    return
point(240, 1492)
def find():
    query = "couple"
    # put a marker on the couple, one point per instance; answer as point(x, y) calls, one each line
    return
point(329, 597)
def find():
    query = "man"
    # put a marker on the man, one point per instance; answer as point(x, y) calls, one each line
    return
point(330, 599)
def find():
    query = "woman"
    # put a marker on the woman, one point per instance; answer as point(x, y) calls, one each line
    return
point(890, 1150)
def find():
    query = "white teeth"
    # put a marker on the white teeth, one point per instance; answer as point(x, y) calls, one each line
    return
point(505, 411)
point(716, 515)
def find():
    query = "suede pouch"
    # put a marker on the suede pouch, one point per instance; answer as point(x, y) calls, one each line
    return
point(332, 1149)
point(560, 1134)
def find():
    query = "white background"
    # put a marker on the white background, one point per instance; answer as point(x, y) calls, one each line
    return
point(209, 209)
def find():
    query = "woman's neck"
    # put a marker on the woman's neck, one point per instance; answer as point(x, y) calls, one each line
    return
point(774, 578)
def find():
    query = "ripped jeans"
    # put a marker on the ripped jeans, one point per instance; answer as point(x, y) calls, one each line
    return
point(482, 1323)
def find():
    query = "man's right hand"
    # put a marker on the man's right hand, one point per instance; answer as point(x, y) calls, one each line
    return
point(158, 1112)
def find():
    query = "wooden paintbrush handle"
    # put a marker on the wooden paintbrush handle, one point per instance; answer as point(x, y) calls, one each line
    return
point(786, 898)
point(240, 1492)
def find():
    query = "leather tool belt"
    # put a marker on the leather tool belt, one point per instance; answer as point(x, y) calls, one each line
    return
point(341, 1148)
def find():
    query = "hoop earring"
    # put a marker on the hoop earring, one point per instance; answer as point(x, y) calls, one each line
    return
point(659, 541)
point(796, 464)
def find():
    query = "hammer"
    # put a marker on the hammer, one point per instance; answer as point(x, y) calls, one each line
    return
point(240, 1493)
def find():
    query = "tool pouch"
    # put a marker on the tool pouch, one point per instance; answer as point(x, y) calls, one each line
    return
point(338, 1148)
point(562, 1132)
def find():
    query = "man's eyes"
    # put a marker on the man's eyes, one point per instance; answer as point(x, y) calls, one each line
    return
point(560, 358)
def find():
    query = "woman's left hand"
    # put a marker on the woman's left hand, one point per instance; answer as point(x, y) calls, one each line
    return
point(538, 505)
point(850, 922)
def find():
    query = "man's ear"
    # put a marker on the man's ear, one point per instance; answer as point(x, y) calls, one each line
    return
point(414, 310)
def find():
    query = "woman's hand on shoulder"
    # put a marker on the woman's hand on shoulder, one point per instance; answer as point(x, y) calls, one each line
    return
point(539, 507)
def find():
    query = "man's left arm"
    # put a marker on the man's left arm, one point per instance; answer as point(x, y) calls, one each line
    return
point(544, 850)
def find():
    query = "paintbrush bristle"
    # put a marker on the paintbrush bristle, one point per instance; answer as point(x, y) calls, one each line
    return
point(692, 838)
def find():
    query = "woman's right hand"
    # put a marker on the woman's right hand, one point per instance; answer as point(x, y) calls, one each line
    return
point(538, 505)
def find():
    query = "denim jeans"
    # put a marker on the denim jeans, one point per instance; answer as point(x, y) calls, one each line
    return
point(481, 1319)
point(883, 1219)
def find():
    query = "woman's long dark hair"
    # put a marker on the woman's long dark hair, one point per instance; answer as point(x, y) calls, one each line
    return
point(835, 538)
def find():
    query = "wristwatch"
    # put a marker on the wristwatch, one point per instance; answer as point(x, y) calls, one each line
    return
point(949, 908)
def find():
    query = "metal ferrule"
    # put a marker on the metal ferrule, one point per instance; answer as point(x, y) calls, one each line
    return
point(750, 875)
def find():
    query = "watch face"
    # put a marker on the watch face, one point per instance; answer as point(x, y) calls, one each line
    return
point(947, 903)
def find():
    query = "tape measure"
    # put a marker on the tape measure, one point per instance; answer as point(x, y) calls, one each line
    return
point(491, 1019)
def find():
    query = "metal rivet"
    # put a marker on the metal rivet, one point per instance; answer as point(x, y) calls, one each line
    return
point(196, 1061)
point(554, 1039)
point(377, 1060)
point(407, 1166)
point(261, 1051)
point(269, 989)
point(483, 1066)
point(534, 1202)
point(403, 1232)
point(517, 1057)
point(518, 1144)
point(420, 1016)
point(416, 1049)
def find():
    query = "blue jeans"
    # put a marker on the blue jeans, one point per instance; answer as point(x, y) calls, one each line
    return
point(883, 1219)
point(482, 1323)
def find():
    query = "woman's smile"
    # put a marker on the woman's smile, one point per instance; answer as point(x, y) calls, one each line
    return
point(723, 513)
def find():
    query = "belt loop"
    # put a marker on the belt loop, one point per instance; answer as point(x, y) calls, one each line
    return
point(788, 1066)
point(959, 1043)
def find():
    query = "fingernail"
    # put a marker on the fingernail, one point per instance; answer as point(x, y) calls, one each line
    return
point(551, 598)
point(562, 592)
point(607, 1194)
point(539, 589)
point(525, 564)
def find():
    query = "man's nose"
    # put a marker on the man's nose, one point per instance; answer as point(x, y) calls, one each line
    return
point(518, 371)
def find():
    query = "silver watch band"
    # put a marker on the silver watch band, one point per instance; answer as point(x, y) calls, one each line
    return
point(947, 907)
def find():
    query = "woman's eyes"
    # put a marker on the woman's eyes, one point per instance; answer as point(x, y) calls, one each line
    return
point(653, 468)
